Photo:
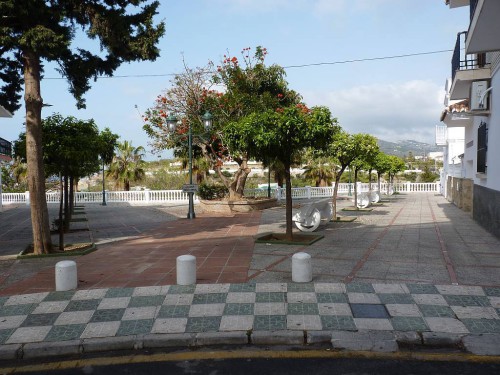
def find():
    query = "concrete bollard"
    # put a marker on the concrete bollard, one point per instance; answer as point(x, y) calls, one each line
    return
point(186, 270)
point(301, 268)
point(66, 275)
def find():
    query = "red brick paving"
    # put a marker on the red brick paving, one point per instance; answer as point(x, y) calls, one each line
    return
point(223, 247)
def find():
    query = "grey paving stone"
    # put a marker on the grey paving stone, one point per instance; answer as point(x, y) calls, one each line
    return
point(173, 311)
point(13, 310)
point(300, 287)
point(181, 289)
point(331, 298)
point(447, 325)
point(240, 297)
point(393, 298)
point(25, 299)
point(51, 349)
point(236, 323)
point(82, 305)
point(301, 297)
point(209, 298)
point(211, 288)
point(51, 307)
point(5, 334)
point(277, 338)
point(221, 338)
point(34, 320)
point(369, 324)
point(487, 344)
point(159, 340)
point(365, 340)
point(239, 309)
point(492, 292)
point(304, 322)
point(104, 344)
point(169, 325)
point(302, 309)
point(10, 352)
point(59, 296)
point(441, 339)
point(366, 310)
point(28, 334)
point(407, 338)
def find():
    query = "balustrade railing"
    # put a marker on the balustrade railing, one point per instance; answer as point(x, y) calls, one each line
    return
point(172, 196)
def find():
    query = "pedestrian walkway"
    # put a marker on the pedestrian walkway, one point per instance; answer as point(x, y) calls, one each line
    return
point(357, 315)
point(414, 271)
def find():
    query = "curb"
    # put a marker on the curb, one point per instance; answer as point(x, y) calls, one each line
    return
point(359, 341)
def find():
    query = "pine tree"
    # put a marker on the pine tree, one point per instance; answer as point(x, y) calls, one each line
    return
point(34, 31)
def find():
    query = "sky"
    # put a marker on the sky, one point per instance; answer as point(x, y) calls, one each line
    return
point(392, 99)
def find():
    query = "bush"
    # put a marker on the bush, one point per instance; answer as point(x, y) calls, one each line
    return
point(212, 191)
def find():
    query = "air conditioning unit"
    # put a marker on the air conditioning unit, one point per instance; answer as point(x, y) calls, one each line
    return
point(478, 96)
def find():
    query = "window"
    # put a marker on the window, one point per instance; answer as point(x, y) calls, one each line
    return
point(482, 147)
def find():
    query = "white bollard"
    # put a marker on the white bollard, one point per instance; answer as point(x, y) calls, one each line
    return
point(186, 270)
point(66, 275)
point(301, 268)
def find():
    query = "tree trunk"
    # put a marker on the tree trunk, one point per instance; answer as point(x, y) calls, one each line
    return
point(71, 195)
point(288, 210)
point(67, 213)
point(236, 187)
point(378, 182)
point(61, 216)
point(355, 187)
point(335, 191)
point(42, 243)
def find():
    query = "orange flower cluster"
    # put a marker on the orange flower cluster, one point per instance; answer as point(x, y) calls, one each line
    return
point(303, 108)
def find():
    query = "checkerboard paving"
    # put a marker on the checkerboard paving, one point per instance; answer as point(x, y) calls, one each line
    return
point(59, 316)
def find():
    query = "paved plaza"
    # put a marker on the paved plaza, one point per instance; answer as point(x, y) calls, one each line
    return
point(413, 271)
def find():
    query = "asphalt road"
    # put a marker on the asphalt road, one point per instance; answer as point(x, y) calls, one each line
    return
point(271, 365)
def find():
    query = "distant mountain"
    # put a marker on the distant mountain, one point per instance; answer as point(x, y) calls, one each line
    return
point(402, 148)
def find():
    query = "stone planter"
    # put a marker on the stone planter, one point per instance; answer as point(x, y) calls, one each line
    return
point(243, 205)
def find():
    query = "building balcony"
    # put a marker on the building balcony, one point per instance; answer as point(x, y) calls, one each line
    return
point(466, 68)
point(484, 29)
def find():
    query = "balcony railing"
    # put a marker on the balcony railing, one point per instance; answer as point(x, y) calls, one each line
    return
point(463, 61)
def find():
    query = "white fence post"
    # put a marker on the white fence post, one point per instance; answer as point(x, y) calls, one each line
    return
point(308, 192)
point(146, 195)
point(27, 197)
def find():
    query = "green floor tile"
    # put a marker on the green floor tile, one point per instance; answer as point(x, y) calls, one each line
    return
point(492, 292)
point(422, 289)
point(270, 297)
point(249, 287)
point(12, 310)
point(269, 322)
point(59, 296)
point(436, 311)
point(482, 325)
point(396, 298)
point(300, 287)
point(144, 301)
point(203, 324)
point(359, 288)
point(174, 311)
point(331, 298)
point(36, 320)
point(239, 309)
point(65, 332)
point(181, 289)
point(135, 327)
point(338, 323)
point(303, 309)
point(107, 315)
point(209, 298)
point(83, 305)
point(119, 292)
point(409, 323)
point(459, 300)
point(5, 334)
point(3, 300)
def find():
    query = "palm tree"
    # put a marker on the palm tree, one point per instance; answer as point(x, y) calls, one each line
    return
point(320, 170)
point(127, 165)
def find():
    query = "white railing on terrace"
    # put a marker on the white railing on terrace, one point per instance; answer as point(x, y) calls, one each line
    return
point(172, 196)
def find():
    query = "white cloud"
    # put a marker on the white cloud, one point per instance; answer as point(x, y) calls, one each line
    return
point(393, 111)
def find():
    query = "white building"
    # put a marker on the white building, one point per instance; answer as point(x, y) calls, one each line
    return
point(473, 107)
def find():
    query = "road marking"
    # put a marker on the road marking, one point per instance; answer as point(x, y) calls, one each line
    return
point(248, 354)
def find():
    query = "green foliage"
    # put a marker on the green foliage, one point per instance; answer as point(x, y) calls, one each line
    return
point(163, 180)
point(47, 30)
point(127, 165)
point(212, 191)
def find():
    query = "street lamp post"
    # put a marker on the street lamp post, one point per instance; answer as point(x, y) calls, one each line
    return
point(103, 186)
point(172, 124)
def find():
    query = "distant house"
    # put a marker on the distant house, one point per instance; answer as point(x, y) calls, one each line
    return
point(5, 146)
point(473, 109)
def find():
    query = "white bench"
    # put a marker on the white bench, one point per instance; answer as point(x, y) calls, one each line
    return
point(310, 215)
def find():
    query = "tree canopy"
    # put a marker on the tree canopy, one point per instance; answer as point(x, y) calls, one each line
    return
point(33, 32)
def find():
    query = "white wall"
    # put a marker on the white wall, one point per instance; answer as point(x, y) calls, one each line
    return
point(493, 155)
